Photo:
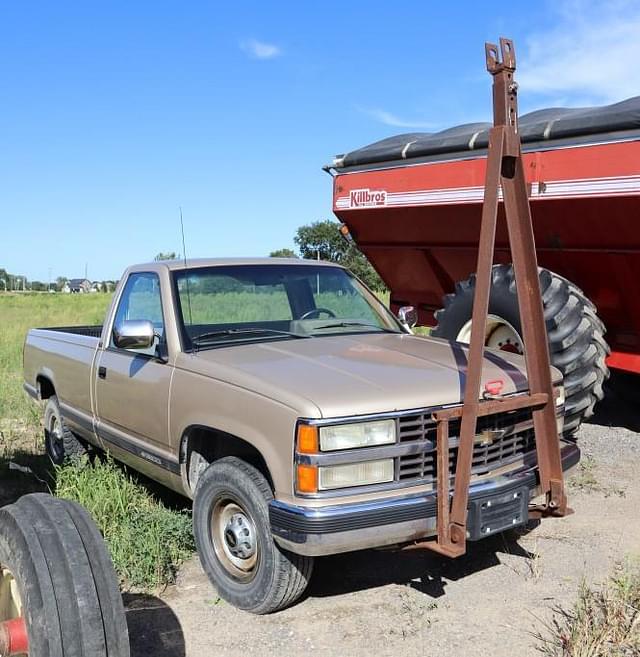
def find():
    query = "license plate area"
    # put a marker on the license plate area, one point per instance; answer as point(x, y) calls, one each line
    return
point(491, 514)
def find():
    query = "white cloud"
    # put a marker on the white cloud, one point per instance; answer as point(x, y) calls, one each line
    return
point(590, 56)
point(260, 49)
point(397, 122)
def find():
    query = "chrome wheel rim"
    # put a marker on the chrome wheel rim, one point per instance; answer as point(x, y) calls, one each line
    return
point(499, 334)
point(54, 438)
point(235, 539)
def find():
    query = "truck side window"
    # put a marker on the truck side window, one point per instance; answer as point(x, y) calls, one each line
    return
point(141, 300)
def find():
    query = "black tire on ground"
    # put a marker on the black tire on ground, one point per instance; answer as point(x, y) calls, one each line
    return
point(234, 489)
point(60, 443)
point(576, 334)
point(68, 588)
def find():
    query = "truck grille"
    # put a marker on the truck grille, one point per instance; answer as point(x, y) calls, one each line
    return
point(518, 439)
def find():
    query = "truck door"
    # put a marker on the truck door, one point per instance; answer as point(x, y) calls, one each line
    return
point(132, 386)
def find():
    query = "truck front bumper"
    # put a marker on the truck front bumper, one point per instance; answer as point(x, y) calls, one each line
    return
point(348, 527)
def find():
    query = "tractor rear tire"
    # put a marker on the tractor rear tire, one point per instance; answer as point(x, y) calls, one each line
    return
point(576, 335)
point(58, 577)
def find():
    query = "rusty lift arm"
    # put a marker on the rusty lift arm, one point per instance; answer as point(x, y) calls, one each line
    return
point(504, 172)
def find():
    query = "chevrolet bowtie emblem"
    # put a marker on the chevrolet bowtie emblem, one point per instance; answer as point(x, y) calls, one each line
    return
point(488, 437)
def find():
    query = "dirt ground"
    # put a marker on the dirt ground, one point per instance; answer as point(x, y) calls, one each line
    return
point(388, 603)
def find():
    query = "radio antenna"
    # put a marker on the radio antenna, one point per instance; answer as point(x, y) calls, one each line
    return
point(186, 274)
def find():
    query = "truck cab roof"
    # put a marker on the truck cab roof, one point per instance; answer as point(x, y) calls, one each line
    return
point(196, 263)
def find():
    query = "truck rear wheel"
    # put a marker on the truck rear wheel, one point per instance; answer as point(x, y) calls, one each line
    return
point(59, 593)
point(59, 442)
point(234, 541)
point(576, 334)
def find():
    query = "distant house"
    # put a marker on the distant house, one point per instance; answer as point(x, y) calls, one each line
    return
point(79, 286)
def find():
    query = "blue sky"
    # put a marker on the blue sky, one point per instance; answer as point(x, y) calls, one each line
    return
point(115, 114)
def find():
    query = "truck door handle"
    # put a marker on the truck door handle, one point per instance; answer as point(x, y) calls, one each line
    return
point(102, 372)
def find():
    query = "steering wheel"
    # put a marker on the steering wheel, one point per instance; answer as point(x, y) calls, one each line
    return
point(314, 314)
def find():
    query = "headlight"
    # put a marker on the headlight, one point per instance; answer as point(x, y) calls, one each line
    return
point(355, 474)
point(360, 434)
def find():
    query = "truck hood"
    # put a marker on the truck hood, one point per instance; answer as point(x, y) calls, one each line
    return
point(335, 376)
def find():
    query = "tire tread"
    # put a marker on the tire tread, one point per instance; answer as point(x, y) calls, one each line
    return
point(576, 334)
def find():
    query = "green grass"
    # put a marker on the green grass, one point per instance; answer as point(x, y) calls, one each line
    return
point(603, 622)
point(147, 541)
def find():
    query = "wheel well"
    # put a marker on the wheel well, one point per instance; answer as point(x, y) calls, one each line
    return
point(212, 445)
point(46, 387)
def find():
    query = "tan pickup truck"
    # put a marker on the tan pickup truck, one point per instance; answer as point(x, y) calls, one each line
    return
point(289, 403)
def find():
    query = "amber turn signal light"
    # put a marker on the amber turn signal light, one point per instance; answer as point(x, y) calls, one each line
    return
point(307, 478)
point(307, 439)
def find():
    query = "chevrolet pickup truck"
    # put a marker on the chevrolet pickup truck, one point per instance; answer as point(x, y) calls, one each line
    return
point(290, 404)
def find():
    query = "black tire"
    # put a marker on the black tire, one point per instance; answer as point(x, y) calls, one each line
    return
point(576, 334)
point(278, 577)
point(69, 590)
point(60, 443)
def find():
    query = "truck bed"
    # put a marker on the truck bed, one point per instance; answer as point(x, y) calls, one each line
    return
point(65, 354)
point(89, 331)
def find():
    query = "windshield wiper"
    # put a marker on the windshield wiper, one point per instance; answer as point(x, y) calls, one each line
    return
point(350, 324)
point(241, 331)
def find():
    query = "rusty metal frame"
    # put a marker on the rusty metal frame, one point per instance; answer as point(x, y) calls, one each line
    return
point(504, 172)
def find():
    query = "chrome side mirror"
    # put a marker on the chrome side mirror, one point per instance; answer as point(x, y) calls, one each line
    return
point(134, 334)
point(408, 316)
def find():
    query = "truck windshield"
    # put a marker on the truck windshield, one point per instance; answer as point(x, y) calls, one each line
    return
point(221, 305)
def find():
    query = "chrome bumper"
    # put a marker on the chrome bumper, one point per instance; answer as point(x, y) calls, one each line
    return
point(349, 527)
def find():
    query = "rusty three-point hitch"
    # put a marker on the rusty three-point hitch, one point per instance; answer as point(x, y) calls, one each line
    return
point(504, 172)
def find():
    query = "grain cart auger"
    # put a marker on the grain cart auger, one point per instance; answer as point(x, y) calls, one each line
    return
point(504, 173)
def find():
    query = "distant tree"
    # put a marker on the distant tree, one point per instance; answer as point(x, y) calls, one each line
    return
point(283, 253)
point(60, 282)
point(322, 240)
point(38, 286)
point(103, 287)
point(169, 255)
point(11, 281)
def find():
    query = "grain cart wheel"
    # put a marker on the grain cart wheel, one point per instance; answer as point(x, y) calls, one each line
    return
point(233, 537)
point(60, 443)
point(59, 593)
point(576, 334)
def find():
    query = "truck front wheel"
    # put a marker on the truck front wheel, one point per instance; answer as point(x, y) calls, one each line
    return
point(234, 541)
point(576, 334)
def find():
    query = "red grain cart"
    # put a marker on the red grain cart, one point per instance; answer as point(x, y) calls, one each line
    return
point(413, 203)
